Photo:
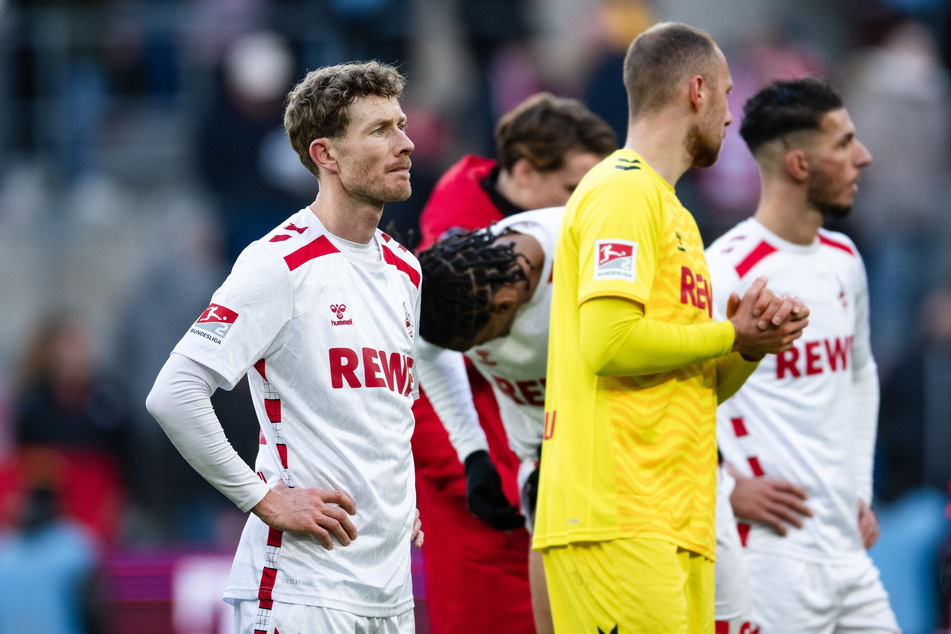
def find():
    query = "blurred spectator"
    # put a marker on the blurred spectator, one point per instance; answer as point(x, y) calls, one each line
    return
point(901, 219)
point(48, 579)
point(71, 426)
point(244, 155)
point(914, 436)
point(169, 501)
point(617, 23)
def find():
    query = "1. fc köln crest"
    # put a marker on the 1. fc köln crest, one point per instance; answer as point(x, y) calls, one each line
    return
point(614, 260)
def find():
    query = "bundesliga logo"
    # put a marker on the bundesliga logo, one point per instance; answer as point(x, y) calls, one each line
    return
point(215, 323)
point(614, 259)
point(338, 310)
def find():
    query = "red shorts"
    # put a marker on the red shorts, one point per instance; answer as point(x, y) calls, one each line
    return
point(476, 577)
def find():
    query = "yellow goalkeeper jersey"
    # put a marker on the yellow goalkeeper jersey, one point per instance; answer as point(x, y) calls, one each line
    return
point(628, 456)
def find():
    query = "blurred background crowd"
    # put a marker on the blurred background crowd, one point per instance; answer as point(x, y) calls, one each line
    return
point(141, 149)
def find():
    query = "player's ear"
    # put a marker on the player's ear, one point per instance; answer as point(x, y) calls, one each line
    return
point(505, 299)
point(522, 173)
point(324, 154)
point(797, 165)
point(695, 92)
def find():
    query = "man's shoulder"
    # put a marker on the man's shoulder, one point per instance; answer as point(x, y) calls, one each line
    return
point(837, 241)
point(402, 258)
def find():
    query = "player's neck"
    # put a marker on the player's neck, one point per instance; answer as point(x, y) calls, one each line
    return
point(659, 142)
point(796, 223)
point(356, 222)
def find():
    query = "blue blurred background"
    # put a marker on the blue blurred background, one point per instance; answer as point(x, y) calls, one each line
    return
point(141, 148)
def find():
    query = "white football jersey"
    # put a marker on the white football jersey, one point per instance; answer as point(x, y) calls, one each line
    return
point(328, 342)
point(807, 415)
point(515, 365)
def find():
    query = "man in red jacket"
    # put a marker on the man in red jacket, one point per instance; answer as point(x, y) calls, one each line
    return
point(476, 558)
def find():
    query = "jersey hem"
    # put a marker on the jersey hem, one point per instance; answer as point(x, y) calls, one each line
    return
point(358, 608)
point(564, 539)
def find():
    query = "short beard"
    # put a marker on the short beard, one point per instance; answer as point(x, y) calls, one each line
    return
point(827, 209)
point(704, 152)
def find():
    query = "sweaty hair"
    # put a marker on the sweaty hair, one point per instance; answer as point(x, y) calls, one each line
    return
point(787, 106)
point(660, 58)
point(461, 275)
point(544, 128)
point(317, 107)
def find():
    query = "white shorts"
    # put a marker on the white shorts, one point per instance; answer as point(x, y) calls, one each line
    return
point(793, 595)
point(290, 618)
point(732, 589)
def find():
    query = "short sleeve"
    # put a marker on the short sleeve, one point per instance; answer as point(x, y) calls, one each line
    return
point(245, 318)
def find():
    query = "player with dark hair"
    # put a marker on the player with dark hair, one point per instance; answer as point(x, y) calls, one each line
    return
point(808, 415)
point(320, 314)
point(464, 273)
point(476, 553)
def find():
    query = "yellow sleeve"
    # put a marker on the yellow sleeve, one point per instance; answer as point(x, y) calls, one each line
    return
point(617, 340)
point(732, 372)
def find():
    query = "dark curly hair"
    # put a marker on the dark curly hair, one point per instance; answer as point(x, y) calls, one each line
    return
point(317, 107)
point(787, 106)
point(461, 275)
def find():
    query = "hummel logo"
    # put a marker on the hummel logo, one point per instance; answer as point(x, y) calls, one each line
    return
point(338, 310)
point(627, 164)
point(680, 242)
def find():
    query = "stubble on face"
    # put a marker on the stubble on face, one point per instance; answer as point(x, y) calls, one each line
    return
point(703, 145)
point(819, 193)
point(371, 169)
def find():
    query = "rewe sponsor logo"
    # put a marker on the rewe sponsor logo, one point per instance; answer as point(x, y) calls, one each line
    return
point(814, 357)
point(695, 290)
point(526, 392)
point(339, 310)
point(215, 323)
point(371, 368)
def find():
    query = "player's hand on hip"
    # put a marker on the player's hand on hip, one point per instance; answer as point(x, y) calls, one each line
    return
point(417, 537)
point(322, 513)
point(775, 503)
point(484, 495)
point(868, 524)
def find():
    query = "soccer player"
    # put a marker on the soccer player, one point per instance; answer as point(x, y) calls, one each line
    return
point(487, 297)
point(476, 552)
point(322, 315)
point(636, 365)
point(808, 415)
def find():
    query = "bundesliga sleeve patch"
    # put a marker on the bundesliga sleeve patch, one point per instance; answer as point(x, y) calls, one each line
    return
point(614, 260)
point(215, 323)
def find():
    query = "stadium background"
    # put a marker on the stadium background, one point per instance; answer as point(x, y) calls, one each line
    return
point(141, 148)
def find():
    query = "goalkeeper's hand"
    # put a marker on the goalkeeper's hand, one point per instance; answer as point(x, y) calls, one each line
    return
point(484, 495)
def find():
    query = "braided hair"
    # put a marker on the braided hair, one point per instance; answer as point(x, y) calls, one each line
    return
point(461, 275)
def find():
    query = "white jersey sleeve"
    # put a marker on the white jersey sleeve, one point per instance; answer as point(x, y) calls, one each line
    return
point(866, 391)
point(180, 401)
point(442, 373)
point(245, 319)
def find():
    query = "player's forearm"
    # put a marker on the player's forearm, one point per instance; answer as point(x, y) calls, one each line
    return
point(732, 372)
point(180, 401)
point(618, 340)
point(865, 390)
point(442, 375)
